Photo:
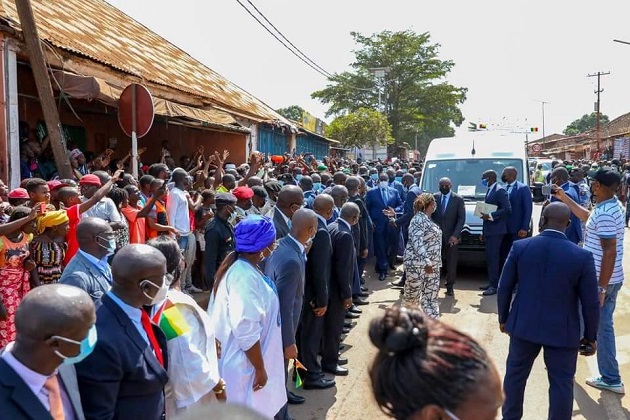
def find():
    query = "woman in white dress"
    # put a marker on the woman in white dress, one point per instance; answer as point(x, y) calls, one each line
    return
point(245, 312)
point(423, 258)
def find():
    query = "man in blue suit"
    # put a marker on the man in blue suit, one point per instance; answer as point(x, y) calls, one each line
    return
point(286, 268)
point(396, 184)
point(545, 312)
point(560, 177)
point(125, 375)
point(519, 221)
point(378, 201)
point(494, 228)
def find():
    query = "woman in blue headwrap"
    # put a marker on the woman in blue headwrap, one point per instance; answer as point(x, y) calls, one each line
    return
point(246, 315)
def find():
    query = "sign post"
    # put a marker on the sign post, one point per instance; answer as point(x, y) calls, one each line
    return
point(135, 115)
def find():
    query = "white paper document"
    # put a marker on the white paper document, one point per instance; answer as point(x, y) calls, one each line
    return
point(484, 208)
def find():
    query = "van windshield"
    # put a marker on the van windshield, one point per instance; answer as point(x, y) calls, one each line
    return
point(465, 174)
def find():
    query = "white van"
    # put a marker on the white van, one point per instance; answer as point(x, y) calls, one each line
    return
point(463, 159)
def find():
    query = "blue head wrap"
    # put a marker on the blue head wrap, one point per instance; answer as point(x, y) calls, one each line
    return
point(254, 233)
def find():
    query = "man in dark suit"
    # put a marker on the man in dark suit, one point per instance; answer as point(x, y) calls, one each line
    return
point(545, 312)
point(124, 377)
point(317, 276)
point(290, 200)
point(378, 201)
point(51, 323)
point(560, 177)
point(520, 218)
point(359, 233)
point(340, 286)
point(494, 228)
point(286, 268)
point(450, 216)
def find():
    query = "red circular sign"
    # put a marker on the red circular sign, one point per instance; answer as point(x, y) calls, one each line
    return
point(536, 148)
point(143, 107)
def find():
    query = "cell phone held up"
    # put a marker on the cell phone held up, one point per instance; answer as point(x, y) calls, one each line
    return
point(549, 189)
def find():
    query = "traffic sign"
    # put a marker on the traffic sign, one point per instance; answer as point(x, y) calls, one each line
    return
point(536, 148)
point(135, 116)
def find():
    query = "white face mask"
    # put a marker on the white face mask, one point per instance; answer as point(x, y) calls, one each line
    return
point(383, 184)
point(161, 293)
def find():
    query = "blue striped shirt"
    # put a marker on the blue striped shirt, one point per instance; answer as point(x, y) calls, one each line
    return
point(606, 221)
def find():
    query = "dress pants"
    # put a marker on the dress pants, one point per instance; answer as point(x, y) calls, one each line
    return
point(333, 325)
point(381, 246)
point(493, 258)
point(310, 338)
point(560, 363)
point(356, 280)
point(449, 258)
point(506, 245)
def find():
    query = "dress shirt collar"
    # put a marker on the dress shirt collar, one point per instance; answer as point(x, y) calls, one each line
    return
point(102, 263)
point(344, 222)
point(286, 219)
point(35, 381)
point(135, 314)
point(322, 219)
point(299, 244)
point(553, 230)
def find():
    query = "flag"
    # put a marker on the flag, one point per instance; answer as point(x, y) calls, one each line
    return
point(298, 379)
point(172, 322)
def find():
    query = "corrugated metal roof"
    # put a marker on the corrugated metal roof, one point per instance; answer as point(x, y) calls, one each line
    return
point(100, 32)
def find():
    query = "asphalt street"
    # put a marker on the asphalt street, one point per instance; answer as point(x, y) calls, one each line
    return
point(476, 315)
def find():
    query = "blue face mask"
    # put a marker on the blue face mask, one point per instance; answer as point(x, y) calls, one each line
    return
point(398, 178)
point(317, 186)
point(374, 177)
point(484, 182)
point(281, 183)
point(86, 347)
point(298, 177)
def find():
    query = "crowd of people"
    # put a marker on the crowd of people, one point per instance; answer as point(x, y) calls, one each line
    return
point(278, 248)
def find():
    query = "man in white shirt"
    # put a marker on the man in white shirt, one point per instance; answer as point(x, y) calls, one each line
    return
point(178, 208)
point(37, 376)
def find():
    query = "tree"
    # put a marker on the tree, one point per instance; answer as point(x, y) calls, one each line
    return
point(415, 96)
point(585, 123)
point(293, 112)
point(363, 127)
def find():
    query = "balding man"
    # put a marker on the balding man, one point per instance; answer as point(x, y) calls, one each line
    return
point(125, 375)
point(55, 329)
point(340, 285)
point(546, 311)
point(286, 268)
point(339, 193)
point(306, 184)
point(290, 200)
point(89, 269)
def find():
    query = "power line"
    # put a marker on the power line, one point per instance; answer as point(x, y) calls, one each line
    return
point(287, 39)
point(282, 42)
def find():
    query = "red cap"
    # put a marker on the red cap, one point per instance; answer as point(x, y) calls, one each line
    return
point(18, 193)
point(90, 179)
point(54, 184)
point(243, 193)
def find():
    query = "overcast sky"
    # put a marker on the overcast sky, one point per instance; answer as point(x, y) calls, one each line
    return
point(510, 56)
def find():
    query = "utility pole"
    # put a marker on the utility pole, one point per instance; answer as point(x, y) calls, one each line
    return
point(599, 90)
point(44, 88)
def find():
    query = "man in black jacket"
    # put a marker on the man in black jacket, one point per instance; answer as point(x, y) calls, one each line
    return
point(360, 233)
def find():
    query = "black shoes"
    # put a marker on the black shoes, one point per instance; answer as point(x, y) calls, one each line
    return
point(351, 315)
point(449, 291)
point(484, 287)
point(364, 289)
point(359, 301)
point(363, 294)
point(342, 361)
point(355, 309)
point(321, 383)
point(345, 330)
point(336, 370)
point(349, 324)
point(382, 276)
point(490, 291)
point(294, 398)
point(397, 283)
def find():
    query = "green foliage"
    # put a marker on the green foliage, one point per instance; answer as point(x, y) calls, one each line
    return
point(415, 96)
point(585, 123)
point(363, 127)
point(293, 112)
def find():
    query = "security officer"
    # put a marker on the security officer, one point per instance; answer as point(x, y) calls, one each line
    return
point(219, 236)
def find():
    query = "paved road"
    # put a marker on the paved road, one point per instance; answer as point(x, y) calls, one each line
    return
point(476, 315)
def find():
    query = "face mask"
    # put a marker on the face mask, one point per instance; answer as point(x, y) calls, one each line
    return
point(504, 179)
point(383, 184)
point(298, 177)
point(86, 347)
point(484, 182)
point(445, 190)
point(398, 178)
point(111, 245)
point(161, 293)
point(374, 177)
point(317, 186)
point(281, 183)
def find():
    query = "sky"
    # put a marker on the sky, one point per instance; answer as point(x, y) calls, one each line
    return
point(511, 57)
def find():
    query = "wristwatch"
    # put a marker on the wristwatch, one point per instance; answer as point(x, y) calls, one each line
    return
point(601, 290)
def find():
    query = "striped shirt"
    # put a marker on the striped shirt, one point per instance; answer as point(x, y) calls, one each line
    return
point(606, 221)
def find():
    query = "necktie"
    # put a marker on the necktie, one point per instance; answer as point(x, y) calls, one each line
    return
point(54, 398)
point(384, 193)
point(443, 205)
point(146, 324)
point(509, 191)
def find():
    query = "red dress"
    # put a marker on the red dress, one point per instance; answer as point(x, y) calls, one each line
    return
point(14, 282)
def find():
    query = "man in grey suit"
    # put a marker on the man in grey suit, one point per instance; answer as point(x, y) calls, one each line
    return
point(88, 269)
point(450, 216)
point(286, 268)
point(290, 199)
point(37, 375)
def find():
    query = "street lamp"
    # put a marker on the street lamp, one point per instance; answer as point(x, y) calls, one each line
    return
point(621, 42)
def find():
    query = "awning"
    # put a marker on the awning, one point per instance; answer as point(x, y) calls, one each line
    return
point(93, 88)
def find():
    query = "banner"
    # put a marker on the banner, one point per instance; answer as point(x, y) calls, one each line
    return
point(622, 148)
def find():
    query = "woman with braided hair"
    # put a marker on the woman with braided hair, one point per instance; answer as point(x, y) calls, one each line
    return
point(423, 258)
point(427, 370)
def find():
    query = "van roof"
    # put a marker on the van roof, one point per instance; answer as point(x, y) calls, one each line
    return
point(486, 144)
